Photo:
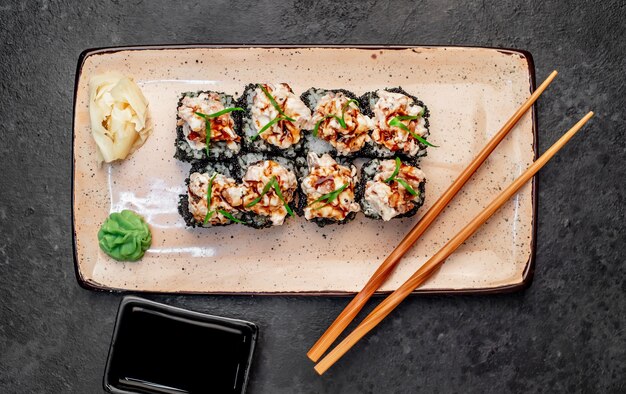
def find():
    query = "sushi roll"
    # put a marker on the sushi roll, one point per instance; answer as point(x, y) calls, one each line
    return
point(269, 187)
point(400, 124)
point(328, 191)
point(391, 189)
point(274, 119)
point(214, 181)
point(339, 124)
point(224, 118)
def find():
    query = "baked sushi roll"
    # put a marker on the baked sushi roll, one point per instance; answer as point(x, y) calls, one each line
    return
point(339, 124)
point(274, 119)
point(196, 111)
point(391, 189)
point(400, 124)
point(214, 183)
point(268, 191)
point(328, 191)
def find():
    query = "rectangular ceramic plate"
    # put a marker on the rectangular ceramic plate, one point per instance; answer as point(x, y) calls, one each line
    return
point(470, 92)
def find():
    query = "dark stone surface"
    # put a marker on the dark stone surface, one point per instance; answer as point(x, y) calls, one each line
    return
point(566, 333)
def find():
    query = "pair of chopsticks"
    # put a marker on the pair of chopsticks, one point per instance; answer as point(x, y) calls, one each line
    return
point(425, 271)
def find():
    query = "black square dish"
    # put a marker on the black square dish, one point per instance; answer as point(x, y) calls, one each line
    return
point(158, 348)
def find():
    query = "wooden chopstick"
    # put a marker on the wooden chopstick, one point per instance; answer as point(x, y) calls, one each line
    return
point(387, 267)
point(424, 272)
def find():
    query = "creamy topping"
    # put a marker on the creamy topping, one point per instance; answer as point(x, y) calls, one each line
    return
point(194, 126)
point(354, 136)
point(326, 176)
point(224, 192)
point(283, 133)
point(388, 106)
point(260, 174)
point(392, 199)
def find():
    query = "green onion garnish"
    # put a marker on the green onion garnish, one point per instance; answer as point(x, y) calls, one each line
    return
point(267, 126)
point(273, 183)
point(266, 189)
point(274, 103)
point(345, 106)
point(396, 121)
point(342, 123)
point(404, 183)
point(209, 192)
point(330, 197)
point(280, 195)
point(230, 217)
point(219, 113)
point(395, 171)
point(341, 120)
point(406, 186)
point(208, 216)
point(206, 118)
point(319, 122)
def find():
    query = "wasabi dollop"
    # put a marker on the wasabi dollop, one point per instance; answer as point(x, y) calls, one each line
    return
point(124, 236)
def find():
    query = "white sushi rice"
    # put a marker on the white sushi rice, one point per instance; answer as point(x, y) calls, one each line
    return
point(317, 145)
point(224, 168)
point(314, 96)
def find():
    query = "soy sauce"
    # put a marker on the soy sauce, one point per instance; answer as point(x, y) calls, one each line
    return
point(158, 352)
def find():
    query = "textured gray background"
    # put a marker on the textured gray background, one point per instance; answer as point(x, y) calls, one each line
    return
point(564, 334)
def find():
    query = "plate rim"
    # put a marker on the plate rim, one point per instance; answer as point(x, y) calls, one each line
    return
point(529, 269)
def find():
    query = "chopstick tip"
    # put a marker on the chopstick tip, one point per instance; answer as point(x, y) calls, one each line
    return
point(552, 75)
point(588, 116)
point(319, 369)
